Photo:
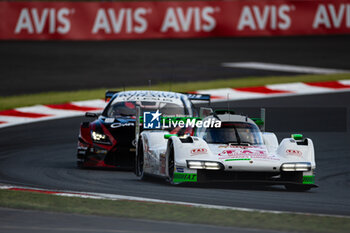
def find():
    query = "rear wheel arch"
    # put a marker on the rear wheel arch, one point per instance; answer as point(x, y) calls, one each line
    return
point(140, 161)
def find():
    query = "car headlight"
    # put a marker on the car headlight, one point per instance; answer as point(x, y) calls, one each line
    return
point(299, 167)
point(100, 138)
point(204, 165)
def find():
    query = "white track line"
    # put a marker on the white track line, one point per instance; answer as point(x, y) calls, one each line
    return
point(105, 196)
point(282, 67)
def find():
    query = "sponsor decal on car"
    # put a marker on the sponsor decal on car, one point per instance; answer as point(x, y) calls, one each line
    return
point(309, 179)
point(179, 169)
point(117, 125)
point(237, 159)
point(109, 120)
point(152, 96)
point(246, 154)
point(185, 177)
point(294, 152)
point(199, 151)
point(240, 147)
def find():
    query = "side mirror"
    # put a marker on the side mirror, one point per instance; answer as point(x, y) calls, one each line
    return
point(91, 114)
point(204, 112)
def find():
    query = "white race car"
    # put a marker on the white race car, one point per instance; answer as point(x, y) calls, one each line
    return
point(237, 150)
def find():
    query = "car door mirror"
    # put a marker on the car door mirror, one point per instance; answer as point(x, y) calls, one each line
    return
point(204, 112)
point(92, 114)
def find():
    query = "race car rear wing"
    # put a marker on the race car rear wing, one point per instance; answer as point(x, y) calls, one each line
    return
point(109, 95)
point(191, 96)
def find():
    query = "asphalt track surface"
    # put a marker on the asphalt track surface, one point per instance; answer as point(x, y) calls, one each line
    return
point(41, 66)
point(44, 155)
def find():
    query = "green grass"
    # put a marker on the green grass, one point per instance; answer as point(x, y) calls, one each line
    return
point(67, 96)
point(169, 212)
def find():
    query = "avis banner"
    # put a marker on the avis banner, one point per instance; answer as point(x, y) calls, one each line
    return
point(177, 19)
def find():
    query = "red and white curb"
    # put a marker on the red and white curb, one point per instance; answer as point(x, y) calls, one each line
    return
point(116, 197)
point(48, 112)
point(283, 68)
point(37, 113)
point(277, 90)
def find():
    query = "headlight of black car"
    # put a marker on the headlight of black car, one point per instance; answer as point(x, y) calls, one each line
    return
point(99, 137)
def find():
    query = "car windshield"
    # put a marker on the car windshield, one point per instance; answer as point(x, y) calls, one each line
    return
point(239, 133)
point(128, 108)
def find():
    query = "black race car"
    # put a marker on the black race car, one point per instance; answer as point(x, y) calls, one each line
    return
point(109, 141)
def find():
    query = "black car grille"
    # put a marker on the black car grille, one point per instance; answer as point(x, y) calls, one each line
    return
point(123, 135)
point(123, 154)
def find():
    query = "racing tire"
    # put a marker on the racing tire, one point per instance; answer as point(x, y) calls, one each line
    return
point(140, 162)
point(171, 163)
point(297, 188)
point(80, 163)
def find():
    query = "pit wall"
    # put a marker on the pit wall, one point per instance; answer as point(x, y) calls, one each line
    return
point(167, 19)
